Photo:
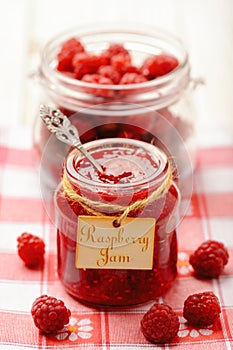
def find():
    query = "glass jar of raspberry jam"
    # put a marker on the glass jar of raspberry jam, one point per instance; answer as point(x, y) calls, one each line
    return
point(125, 252)
point(157, 109)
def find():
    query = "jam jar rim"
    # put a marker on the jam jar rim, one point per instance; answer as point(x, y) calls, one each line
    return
point(46, 70)
point(155, 178)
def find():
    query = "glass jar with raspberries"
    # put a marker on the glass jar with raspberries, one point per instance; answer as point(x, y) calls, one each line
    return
point(127, 83)
point(117, 230)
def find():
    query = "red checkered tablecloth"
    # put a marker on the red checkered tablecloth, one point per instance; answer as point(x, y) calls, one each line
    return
point(21, 209)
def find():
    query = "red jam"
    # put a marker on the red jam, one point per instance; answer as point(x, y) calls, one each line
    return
point(136, 169)
point(115, 179)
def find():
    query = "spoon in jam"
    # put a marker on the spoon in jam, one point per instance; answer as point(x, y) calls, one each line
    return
point(61, 126)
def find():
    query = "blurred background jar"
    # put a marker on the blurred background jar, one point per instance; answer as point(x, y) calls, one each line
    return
point(159, 111)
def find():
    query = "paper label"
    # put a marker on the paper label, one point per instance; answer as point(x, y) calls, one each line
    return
point(100, 245)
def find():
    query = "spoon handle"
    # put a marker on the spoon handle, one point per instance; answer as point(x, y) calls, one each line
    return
point(61, 126)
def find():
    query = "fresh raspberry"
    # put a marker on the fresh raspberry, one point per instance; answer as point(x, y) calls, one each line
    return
point(84, 63)
point(31, 249)
point(98, 79)
point(120, 62)
point(201, 309)
point(132, 78)
point(115, 49)
point(160, 324)
point(49, 314)
point(74, 44)
point(71, 75)
point(159, 65)
point(66, 54)
point(109, 72)
point(209, 259)
point(132, 69)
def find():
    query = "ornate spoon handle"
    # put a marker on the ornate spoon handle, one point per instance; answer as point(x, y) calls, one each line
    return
point(61, 126)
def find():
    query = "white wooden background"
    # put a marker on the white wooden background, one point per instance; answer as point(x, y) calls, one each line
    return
point(205, 26)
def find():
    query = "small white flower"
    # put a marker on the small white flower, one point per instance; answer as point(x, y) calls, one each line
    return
point(194, 333)
point(62, 336)
point(206, 331)
point(73, 336)
point(76, 329)
point(183, 265)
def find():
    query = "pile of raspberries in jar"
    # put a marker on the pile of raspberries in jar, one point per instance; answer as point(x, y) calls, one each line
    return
point(112, 76)
point(113, 66)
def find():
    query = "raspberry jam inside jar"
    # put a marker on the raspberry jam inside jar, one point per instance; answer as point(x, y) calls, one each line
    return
point(137, 178)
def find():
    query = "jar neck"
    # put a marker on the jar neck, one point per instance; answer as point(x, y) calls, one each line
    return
point(148, 165)
point(158, 93)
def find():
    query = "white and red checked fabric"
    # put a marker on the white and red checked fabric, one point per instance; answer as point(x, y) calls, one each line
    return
point(21, 209)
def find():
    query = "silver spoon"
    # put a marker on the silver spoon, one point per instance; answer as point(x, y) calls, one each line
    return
point(59, 124)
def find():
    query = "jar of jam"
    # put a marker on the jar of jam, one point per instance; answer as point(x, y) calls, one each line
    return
point(117, 231)
point(106, 80)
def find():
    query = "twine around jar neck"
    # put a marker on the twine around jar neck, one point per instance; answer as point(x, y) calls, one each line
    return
point(96, 207)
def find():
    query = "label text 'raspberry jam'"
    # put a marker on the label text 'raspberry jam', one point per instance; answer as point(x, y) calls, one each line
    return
point(101, 245)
